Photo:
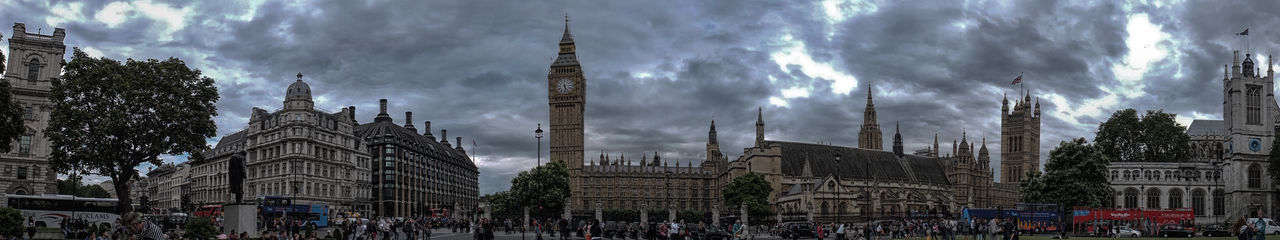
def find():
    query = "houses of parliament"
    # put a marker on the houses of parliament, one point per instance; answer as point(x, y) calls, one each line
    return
point(808, 181)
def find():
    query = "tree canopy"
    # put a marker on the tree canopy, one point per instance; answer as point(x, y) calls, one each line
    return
point(750, 189)
point(109, 117)
point(543, 189)
point(74, 186)
point(1153, 137)
point(11, 114)
point(1076, 175)
point(1273, 169)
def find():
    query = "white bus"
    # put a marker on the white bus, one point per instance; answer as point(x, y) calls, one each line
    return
point(50, 210)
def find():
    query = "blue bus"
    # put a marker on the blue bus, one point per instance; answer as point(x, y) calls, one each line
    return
point(1029, 217)
point(277, 206)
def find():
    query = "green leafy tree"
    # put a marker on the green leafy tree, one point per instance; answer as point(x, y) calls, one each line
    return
point(750, 189)
point(10, 221)
point(1078, 173)
point(1153, 137)
point(201, 228)
point(109, 117)
point(94, 191)
point(1032, 189)
point(11, 114)
point(693, 217)
point(1273, 169)
point(543, 189)
point(74, 186)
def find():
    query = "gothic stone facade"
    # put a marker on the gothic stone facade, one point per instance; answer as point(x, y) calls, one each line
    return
point(1226, 176)
point(299, 151)
point(1020, 139)
point(34, 60)
point(871, 182)
point(414, 173)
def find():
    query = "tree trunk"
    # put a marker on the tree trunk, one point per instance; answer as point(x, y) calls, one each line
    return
point(121, 185)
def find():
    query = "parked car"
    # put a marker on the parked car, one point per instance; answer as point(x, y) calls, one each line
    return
point(1215, 231)
point(1175, 231)
point(799, 229)
point(1126, 231)
point(1271, 225)
point(611, 229)
point(715, 233)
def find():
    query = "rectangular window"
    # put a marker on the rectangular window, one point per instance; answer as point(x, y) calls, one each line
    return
point(24, 144)
point(22, 172)
point(28, 113)
point(1253, 98)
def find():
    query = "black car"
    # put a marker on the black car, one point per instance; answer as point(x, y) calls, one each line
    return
point(715, 233)
point(797, 229)
point(1175, 231)
point(1215, 231)
point(612, 228)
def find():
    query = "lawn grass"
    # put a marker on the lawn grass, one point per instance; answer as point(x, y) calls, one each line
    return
point(1048, 237)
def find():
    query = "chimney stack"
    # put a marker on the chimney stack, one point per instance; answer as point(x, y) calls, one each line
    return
point(444, 136)
point(408, 122)
point(351, 113)
point(382, 111)
point(427, 131)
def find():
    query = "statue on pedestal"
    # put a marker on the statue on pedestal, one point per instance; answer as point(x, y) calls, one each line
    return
point(236, 175)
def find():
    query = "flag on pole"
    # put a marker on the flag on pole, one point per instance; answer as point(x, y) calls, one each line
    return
point(1245, 32)
point(1018, 79)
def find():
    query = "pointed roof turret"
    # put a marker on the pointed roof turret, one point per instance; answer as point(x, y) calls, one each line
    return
point(897, 139)
point(568, 37)
point(711, 135)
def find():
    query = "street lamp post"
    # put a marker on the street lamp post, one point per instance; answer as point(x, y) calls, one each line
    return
point(839, 201)
point(538, 134)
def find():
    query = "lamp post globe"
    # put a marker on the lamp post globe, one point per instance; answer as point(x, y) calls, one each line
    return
point(538, 134)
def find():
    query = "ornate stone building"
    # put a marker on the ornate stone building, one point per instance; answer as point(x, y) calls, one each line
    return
point(297, 151)
point(1226, 176)
point(414, 173)
point(34, 60)
point(1020, 139)
point(973, 180)
point(567, 97)
point(871, 182)
point(620, 182)
point(869, 136)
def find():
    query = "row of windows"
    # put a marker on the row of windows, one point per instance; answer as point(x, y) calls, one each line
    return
point(1165, 175)
point(1175, 200)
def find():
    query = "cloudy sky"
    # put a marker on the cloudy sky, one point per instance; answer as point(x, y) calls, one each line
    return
point(659, 71)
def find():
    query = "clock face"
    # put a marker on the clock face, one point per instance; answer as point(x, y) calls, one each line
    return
point(1255, 145)
point(564, 86)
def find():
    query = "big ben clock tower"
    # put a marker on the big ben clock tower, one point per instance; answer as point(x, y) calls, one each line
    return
point(567, 95)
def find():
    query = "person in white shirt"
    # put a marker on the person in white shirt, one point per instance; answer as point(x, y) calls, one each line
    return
point(840, 232)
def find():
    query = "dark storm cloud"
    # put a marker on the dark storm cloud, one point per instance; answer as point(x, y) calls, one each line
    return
point(658, 72)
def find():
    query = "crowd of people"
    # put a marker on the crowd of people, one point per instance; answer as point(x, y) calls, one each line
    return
point(931, 229)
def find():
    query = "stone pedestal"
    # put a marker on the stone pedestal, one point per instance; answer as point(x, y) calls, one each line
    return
point(644, 215)
point(671, 213)
point(715, 215)
point(599, 213)
point(526, 217)
point(239, 219)
point(744, 220)
point(568, 214)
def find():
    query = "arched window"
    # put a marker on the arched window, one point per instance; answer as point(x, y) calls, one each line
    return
point(825, 208)
point(1255, 176)
point(33, 70)
point(1126, 174)
point(1175, 198)
point(1218, 205)
point(1131, 198)
point(1197, 201)
point(1153, 198)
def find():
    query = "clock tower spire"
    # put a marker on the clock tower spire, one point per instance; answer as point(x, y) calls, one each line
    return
point(567, 97)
